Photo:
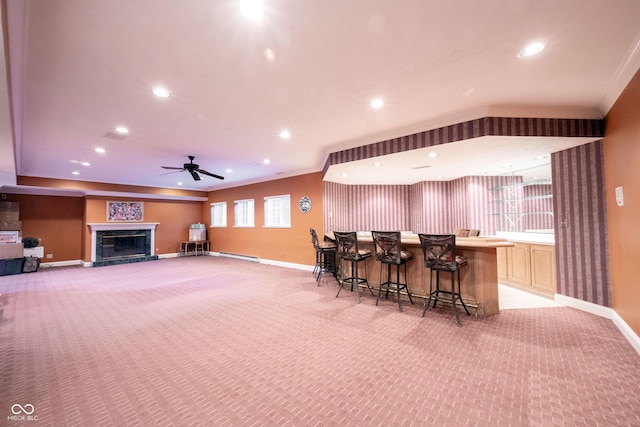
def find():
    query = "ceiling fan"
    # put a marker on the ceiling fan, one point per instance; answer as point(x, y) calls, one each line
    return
point(193, 170)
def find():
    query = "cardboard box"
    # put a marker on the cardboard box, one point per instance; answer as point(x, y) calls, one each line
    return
point(11, 250)
point(10, 225)
point(9, 216)
point(9, 206)
point(37, 252)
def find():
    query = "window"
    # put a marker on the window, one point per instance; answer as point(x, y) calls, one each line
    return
point(219, 214)
point(277, 211)
point(243, 213)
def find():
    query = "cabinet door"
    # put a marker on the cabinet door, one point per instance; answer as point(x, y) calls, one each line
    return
point(503, 264)
point(543, 268)
point(520, 265)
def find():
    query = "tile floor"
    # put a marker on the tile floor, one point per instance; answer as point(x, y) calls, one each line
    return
point(511, 297)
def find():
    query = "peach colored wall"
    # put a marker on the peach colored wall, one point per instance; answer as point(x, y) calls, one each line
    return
point(622, 157)
point(286, 245)
point(56, 220)
point(174, 218)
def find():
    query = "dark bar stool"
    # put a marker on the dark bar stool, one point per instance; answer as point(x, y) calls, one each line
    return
point(325, 256)
point(440, 255)
point(389, 251)
point(348, 251)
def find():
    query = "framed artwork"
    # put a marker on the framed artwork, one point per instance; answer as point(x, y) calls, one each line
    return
point(125, 211)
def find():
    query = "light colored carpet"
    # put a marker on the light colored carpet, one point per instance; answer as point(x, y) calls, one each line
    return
point(214, 341)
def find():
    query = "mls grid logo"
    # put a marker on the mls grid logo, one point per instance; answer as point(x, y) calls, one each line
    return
point(22, 412)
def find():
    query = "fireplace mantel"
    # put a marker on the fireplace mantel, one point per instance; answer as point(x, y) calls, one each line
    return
point(102, 226)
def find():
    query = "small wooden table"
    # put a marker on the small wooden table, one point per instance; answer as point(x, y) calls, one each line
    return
point(193, 247)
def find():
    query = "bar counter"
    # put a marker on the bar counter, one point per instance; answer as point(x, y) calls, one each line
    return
point(479, 284)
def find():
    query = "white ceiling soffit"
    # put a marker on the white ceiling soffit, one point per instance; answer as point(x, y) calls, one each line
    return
point(525, 156)
point(51, 191)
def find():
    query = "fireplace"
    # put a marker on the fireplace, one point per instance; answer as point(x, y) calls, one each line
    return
point(122, 243)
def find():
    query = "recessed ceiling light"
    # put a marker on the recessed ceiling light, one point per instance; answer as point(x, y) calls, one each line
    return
point(179, 183)
point(161, 92)
point(251, 9)
point(377, 103)
point(285, 134)
point(440, 177)
point(75, 173)
point(85, 164)
point(100, 150)
point(531, 50)
point(122, 130)
point(432, 154)
point(377, 164)
point(229, 171)
point(344, 175)
point(269, 55)
point(266, 161)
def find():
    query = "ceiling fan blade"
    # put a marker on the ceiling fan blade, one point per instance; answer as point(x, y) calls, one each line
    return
point(172, 172)
point(195, 176)
point(171, 167)
point(202, 171)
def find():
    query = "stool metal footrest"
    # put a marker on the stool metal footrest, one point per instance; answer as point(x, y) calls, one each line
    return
point(455, 296)
point(355, 282)
point(396, 286)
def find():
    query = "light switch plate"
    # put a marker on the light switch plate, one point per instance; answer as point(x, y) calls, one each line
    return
point(620, 196)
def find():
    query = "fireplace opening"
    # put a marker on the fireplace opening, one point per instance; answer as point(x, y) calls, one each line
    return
point(132, 245)
point(122, 246)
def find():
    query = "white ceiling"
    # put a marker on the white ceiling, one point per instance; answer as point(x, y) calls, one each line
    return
point(79, 68)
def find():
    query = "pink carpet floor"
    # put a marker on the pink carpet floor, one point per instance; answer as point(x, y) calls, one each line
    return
point(224, 342)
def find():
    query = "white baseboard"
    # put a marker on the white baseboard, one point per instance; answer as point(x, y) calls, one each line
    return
point(287, 264)
point(277, 263)
point(64, 263)
point(589, 307)
point(605, 312)
point(628, 333)
point(170, 255)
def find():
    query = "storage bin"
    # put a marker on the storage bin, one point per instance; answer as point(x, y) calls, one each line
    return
point(11, 266)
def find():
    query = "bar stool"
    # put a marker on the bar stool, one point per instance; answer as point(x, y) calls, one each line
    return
point(440, 255)
point(325, 256)
point(389, 251)
point(348, 251)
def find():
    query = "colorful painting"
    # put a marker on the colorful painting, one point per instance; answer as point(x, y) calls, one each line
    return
point(125, 211)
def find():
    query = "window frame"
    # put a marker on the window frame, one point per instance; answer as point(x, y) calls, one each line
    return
point(251, 216)
point(223, 207)
point(284, 214)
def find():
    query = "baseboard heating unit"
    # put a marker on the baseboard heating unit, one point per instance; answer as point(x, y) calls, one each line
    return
point(238, 256)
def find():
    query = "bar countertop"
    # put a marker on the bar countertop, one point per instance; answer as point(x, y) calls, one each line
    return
point(462, 242)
